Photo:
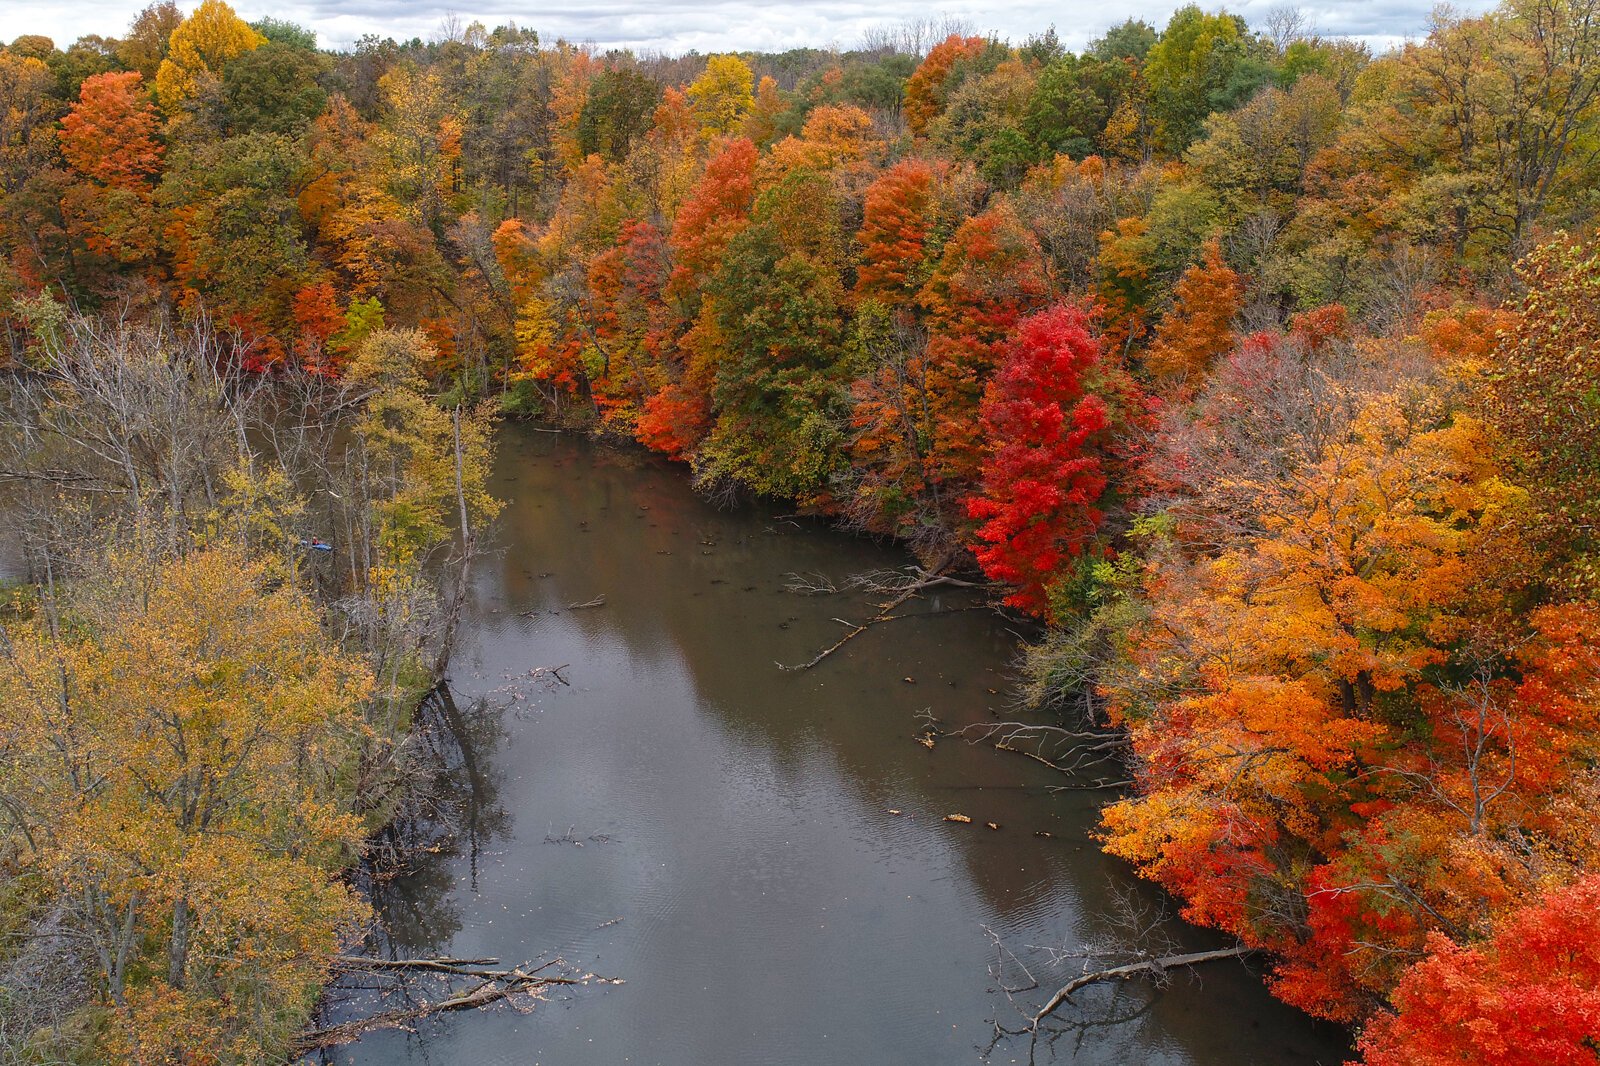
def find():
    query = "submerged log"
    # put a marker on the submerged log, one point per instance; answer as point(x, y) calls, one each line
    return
point(488, 984)
point(1143, 968)
point(885, 613)
point(876, 582)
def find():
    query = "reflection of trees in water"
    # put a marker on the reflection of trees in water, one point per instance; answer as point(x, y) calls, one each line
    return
point(451, 812)
point(706, 594)
point(1110, 1015)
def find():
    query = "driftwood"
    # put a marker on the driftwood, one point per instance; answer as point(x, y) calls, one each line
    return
point(486, 984)
point(876, 582)
point(362, 964)
point(1073, 752)
point(598, 601)
point(885, 613)
point(551, 671)
point(1143, 968)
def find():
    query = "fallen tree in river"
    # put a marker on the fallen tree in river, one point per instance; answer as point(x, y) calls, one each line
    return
point(429, 987)
point(902, 585)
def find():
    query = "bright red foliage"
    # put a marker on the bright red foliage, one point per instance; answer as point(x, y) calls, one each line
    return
point(628, 320)
point(1042, 479)
point(1529, 997)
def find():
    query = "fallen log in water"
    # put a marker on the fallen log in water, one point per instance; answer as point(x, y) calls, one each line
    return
point(486, 984)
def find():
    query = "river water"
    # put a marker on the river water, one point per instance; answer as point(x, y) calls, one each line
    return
point(719, 835)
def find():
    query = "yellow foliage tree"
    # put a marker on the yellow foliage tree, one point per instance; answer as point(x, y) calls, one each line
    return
point(199, 48)
point(26, 137)
point(411, 465)
point(833, 138)
point(722, 95)
point(172, 748)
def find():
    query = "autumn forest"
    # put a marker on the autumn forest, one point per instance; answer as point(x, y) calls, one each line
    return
point(1258, 370)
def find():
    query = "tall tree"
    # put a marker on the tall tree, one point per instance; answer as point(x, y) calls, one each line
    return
point(926, 88)
point(1547, 378)
point(199, 51)
point(1198, 327)
point(145, 44)
point(110, 133)
point(1042, 479)
point(987, 279)
point(898, 219)
point(722, 96)
point(175, 755)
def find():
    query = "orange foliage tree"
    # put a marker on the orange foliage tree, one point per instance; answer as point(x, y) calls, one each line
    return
point(925, 87)
point(987, 279)
point(318, 318)
point(109, 136)
point(898, 217)
point(110, 133)
point(1199, 325)
point(1529, 996)
point(1269, 689)
point(677, 416)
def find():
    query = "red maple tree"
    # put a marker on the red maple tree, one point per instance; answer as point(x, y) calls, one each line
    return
point(1043, 476)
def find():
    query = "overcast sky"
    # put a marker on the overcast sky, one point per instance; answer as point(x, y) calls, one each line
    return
point(675, 26)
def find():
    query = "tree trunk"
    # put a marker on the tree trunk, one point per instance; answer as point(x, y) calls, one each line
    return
point(469, 544)
point(178, 948)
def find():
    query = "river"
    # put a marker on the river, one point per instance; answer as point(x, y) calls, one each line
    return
point(739, 820)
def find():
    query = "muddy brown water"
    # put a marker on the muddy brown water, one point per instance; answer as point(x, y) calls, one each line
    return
point(737, 818)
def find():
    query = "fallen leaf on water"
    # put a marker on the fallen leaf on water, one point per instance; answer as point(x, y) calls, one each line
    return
point(925, 740)
point(894, 810)
point(992, 825)
point(957, 818)
point(1040, 833)
point(909, 680)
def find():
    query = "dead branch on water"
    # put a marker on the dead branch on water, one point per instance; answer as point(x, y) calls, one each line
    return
point(901, 585)
point(458, 985)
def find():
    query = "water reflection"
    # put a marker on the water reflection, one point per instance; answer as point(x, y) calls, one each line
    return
point(442, 827)
point(737, 818)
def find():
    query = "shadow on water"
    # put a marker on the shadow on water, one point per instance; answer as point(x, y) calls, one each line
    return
point(761, 855)
point(441, 827)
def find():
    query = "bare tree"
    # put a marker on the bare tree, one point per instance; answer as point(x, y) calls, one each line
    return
point(1284, 25)
point(915, 37)
point(1138, 944)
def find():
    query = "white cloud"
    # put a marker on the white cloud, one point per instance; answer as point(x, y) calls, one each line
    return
point(677, 26)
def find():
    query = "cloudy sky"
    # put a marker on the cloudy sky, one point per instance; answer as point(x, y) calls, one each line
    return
point(675, 26)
